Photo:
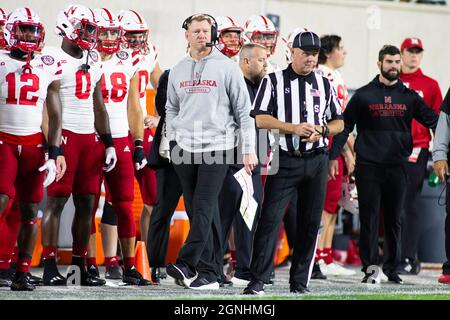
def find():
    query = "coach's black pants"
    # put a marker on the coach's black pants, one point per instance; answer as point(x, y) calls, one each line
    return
point(168, 194)
point(446, 266)
point(308, 177)
point(229, 206)
point(411, 227)
point(380, 187)
point(201, 185)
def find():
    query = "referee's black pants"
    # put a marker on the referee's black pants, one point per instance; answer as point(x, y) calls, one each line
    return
point(201, 185)
point(229, 204)
point(446, 265)
point(411, 227)
point(168, 194)
point(306, 176)
point(380, 187)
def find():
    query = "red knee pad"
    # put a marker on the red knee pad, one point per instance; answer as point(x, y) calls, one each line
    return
point(126, 226)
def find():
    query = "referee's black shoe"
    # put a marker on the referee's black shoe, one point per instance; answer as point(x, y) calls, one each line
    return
point(317, 273)
point(255, 287)
point(393, 277)
point(298, 288)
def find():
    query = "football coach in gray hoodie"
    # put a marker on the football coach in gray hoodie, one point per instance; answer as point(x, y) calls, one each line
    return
point(207, 111)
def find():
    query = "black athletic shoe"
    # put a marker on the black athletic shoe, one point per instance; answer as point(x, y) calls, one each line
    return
point(255, 287)
point(133, 277)
point(6, 278)
point(156, 275)
point(93, 270)
point(35, 280)
point(52, 277)
point(113, 272)
point(88, 280)
point(201, 283)
point(182, 273)
point(21, 282)
point(223, 281)
point(317, 273)
point(393, 277)
point(410, 267)
point(298, 288)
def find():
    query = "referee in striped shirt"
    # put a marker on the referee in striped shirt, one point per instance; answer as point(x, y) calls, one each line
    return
point(302, 106)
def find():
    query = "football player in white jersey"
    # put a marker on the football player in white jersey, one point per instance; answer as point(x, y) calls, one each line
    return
point(120, 88)
point(3, 18)
point(84, 115)
point(27, 80)
point(136, 38)
point(261, 30)
point(230, 37)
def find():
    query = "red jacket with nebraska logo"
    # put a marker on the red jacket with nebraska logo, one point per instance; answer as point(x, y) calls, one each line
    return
point(428, 89)
point(383, 116)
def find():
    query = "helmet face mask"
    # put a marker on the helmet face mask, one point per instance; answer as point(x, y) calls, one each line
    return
point(86, 32)
point(2, 34)
point(266, 38)
point(232, 41)
point(261, 30)
point(109, 39)
point(26, 36)
point(136, 40)
point(3, 19)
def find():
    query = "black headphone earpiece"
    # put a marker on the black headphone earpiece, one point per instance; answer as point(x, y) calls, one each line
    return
point(214, 28)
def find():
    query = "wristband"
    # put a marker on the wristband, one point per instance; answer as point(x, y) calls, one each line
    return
point(53, 152)
point(138, 143)
point(107, 140)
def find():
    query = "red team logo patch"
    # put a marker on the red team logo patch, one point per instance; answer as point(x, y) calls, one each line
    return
point(122, 55)
point(48, 60)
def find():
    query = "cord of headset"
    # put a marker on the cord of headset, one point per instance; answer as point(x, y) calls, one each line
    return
point(440, 203)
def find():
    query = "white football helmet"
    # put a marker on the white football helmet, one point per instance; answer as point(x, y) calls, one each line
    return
point(260, 29)
point(3, 18)
point(109, 31)
point(290, 40)
point(77, 24)
point(229, 47)
point(135, 29)
point(24, 31)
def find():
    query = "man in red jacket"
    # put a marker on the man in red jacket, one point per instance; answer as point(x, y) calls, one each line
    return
point(411, 75)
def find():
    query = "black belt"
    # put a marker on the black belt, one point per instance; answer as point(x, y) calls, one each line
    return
point(305, 154)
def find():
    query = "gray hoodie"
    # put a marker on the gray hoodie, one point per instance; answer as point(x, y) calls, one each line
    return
point(208, 104)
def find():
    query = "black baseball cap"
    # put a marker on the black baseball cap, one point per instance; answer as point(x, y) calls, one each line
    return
point(307, 41)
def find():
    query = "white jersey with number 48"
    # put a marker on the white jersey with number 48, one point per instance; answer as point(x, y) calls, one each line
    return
point(117, 73)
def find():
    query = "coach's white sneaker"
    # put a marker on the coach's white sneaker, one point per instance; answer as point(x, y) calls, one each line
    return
point(333, 269)
point(238, 282)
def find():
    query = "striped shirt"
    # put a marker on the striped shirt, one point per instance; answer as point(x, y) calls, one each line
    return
point(294, 98)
